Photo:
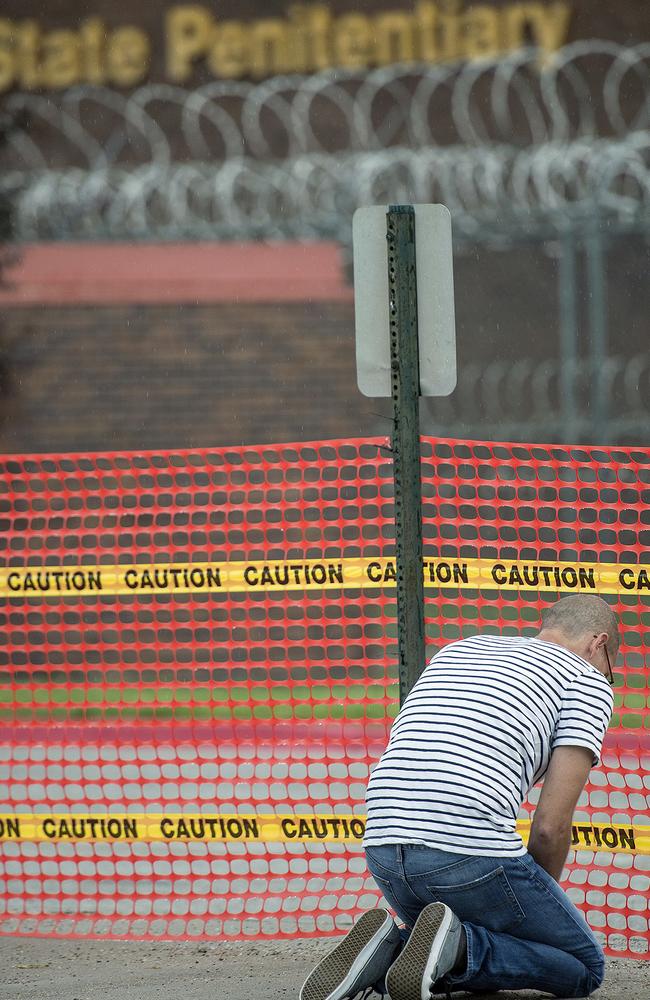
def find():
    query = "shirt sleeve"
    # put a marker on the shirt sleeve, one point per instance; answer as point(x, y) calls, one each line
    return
point(584, 714)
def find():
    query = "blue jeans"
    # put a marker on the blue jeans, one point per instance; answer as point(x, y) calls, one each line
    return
point(523, 932)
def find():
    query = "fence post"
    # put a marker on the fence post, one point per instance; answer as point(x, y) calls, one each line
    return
point(568, 331)
point(405, 391)
point(598, 330)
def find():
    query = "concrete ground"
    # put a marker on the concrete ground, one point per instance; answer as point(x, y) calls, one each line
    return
point(45, 969)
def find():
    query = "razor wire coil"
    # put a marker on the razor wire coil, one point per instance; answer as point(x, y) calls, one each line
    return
point(294, 156)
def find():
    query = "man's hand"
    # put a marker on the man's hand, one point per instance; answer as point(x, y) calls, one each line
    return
point(550, 833)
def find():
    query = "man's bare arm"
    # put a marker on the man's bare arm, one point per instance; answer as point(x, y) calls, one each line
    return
point(550, 834)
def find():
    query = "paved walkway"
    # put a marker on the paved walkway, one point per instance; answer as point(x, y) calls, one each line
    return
point(42, 969)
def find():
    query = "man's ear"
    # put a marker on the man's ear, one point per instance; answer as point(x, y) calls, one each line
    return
point(601, 639)
point(596, 642)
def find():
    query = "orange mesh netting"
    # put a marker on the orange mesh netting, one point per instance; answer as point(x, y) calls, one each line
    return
point(198, 659)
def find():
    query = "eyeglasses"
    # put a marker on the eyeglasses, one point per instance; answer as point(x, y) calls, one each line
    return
point(609, 663)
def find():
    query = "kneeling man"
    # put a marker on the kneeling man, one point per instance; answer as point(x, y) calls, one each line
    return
point(489, 717)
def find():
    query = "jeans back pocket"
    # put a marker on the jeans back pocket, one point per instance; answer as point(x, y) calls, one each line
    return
point(488, 900)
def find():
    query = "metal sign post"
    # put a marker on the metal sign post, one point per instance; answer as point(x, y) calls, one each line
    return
point(405, 386)
point(406, 348)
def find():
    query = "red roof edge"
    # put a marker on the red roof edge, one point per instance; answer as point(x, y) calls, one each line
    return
point(189, 273)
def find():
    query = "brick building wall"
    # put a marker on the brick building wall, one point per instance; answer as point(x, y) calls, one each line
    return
point(129, 377)
point(125, 347)
point(111, 347)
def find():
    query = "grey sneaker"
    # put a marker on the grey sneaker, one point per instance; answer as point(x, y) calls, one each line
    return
point(431, 952)
point(359, 961)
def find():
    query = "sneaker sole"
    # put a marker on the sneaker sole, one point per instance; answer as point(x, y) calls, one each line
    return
point(416, 967)
point(335, 976)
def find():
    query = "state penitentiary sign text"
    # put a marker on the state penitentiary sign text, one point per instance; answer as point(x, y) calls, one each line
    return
point(191, 41)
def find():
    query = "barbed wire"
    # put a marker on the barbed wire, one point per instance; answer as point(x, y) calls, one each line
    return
point(294, 156)
point(316, 196)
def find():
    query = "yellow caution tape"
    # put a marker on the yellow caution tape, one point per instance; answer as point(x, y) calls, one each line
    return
point(261, 828)
point(196, 578)
point(616, 838)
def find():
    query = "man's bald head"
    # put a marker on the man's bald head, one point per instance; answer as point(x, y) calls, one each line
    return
point(583, 615)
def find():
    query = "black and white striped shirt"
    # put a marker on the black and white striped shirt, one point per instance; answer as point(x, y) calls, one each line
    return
point(474, 735)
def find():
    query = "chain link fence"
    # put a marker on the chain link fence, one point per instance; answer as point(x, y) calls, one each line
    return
point(545, 401)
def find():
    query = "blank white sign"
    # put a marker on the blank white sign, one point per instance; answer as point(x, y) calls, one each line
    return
point(435, 286)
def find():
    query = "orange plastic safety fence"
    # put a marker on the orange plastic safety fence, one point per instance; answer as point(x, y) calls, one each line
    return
point(197, 667)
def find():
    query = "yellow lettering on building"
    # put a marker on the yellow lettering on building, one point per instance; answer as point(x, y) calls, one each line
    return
point(544, 25)
point(189, 32)
point(482, 34)
point(229, 54)
point(319, 29)
point(352, 41)
point(127, 56)
point(93, 41)
point(34, 59)
point(309, 38)
point(7, 56)
point(394, 34)
point(27, 36)
point(270, 53)
point(298, 40)
point(448, 31)
point(60, 60)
